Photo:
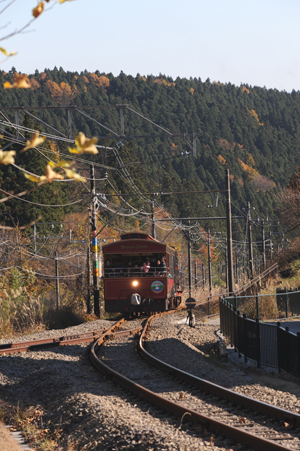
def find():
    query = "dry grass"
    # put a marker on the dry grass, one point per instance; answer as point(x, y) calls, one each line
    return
point(26, 306)
point(29, 420)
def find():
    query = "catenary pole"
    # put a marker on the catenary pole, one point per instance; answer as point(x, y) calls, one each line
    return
point(209, 263)
point(251, 263)
point(189, 262)
point(229, 236)
point(94, 244)
point(264, 246)
point(153, 218)
point(56, 280)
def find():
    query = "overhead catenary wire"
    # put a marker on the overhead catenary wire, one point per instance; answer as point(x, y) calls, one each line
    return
point(115, 150)
point(129, 180)
point(42, 205)
point(124, 173)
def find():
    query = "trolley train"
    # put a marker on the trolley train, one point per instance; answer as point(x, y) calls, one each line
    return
point(140, 275)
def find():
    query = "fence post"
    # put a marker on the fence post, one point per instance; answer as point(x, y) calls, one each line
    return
point(231, 325)
point(298, 355)
point(245, 336)
point(227, 317)
point(286, 304)
point(257, 306)
point(257, 343)
point(278, 347)
point(229, 321)
point(287, 353)
point(234, 327)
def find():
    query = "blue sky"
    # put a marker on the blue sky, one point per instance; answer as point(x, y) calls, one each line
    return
point(236, 41)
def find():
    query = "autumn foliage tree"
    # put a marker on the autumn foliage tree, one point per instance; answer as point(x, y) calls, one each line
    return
point(62, 93)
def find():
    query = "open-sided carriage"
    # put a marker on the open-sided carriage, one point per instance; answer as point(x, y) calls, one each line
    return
point(140, 275)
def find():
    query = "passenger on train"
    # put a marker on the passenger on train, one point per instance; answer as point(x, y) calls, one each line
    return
point(145, 268)
point(163, 266)
point(157, 269)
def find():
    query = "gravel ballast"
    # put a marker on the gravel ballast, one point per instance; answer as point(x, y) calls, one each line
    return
point(91, 412)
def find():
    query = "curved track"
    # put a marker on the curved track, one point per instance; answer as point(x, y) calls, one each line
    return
point(243, 419)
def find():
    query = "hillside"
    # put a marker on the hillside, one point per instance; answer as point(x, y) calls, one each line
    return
point(253, 131)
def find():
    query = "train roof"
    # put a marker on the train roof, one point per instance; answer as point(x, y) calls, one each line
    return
point(139, 243)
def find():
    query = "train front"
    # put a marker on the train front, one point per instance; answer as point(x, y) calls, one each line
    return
point(139, 275)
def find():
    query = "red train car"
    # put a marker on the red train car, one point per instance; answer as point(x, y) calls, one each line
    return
point(140, 275)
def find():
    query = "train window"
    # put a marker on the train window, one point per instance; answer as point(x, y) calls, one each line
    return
point(150, 265)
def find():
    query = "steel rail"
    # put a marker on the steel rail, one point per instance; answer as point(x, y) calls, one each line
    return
point(215, 389)
point(215, 425)
point(33, 345)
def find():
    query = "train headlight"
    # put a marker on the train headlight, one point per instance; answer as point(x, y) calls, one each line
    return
point(135, 283)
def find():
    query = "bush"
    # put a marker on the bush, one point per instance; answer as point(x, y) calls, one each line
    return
point(62, 318)
point(24, 309)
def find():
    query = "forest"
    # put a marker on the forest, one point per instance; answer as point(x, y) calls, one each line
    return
point(252, 131)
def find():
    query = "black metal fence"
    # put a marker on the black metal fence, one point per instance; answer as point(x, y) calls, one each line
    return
point(284, 304)
point(267, 344)
point(288, 301)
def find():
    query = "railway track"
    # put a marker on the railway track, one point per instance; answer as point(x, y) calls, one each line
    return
point(66, 340)
point(222, 411)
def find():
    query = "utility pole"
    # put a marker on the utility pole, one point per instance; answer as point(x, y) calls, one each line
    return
point(196, 278)
point(179, 269)
point(264, 245)
point(56, 281)
point(189, 263)
point(229, 236)
point(88, 306)
point(153, 218)
point(226, 267)
point(271, 246)
point(251, 265)
point(70, 123)
point(34, 237)
point(209, 263)
point(94, 244)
